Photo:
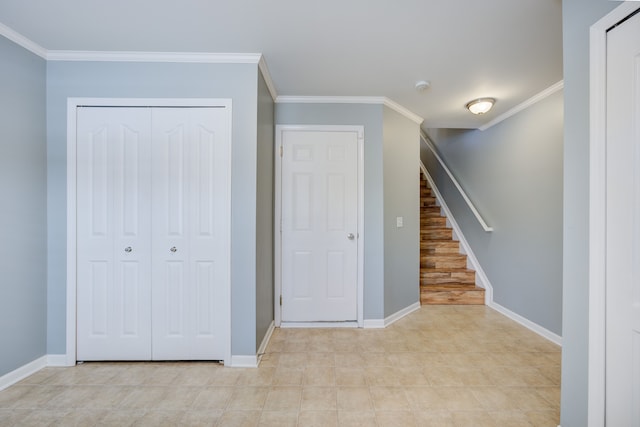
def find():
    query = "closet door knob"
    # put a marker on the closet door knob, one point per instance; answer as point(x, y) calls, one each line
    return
point(128, 249)
point(173, 249)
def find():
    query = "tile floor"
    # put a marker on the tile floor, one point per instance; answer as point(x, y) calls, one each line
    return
point(439, 366)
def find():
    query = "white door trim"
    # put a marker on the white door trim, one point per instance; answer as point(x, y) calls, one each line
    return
point(72, 105)
point(278, 214)
point(597, 209)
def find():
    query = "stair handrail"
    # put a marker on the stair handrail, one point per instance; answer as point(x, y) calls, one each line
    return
point(475, 212)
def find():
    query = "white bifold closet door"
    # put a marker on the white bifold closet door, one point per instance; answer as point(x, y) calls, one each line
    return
point(152, 233)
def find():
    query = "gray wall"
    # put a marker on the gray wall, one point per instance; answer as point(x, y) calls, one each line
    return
point(513, 173)
point(371, 117)
point(577, 17)
point(264, 215)
point(23, 187)
point(401, 151)
point(151, 80)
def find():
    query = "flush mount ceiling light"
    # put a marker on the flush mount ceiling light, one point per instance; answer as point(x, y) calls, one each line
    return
point(480, 105)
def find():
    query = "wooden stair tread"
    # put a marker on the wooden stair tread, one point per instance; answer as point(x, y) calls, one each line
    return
point(451, 286)
point(446, 270)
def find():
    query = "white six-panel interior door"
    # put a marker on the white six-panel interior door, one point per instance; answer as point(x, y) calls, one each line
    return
point(152, 233)
point(319, 213)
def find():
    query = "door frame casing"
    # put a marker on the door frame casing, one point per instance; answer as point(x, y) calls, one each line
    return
point(71, 270)
point(596, 394)
point(278, 222)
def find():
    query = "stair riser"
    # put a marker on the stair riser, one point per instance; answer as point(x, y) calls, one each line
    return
point(434, 247)
point(427, 201)
point(438, 251)
point(452, 277)
point(434, 221)
point(452, 297)
point(436, 234)
point(443, 263)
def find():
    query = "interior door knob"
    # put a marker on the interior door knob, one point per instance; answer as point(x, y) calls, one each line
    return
point(128, 249)
point(173, 249)
point(351, 236)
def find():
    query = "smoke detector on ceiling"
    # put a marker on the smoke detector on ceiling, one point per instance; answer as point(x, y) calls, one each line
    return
point(422, 85)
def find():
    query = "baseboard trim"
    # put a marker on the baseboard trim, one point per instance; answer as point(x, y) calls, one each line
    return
point(22, 372)
point(57, 360)
point(402, 313)
point(349, 324)
point(265, 341)
point(239, 361)
point(383, 323)
point(543, 332)
point(373, 324)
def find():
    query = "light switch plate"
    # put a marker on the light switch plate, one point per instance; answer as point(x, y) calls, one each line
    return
point(399, 221)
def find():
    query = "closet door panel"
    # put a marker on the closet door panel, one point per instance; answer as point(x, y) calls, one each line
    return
point(191, 184)
point(113, 234)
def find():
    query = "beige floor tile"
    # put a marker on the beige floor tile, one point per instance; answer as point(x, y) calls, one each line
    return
point(320, 359)
point(349, 360)
point(458, 399)
point(44, 417)
point(510, 419)
point(248, 398)
point(497, 398)
point(439, 366)
point(319, 399)
point(473, 419)
point(143, 397)
point(278, 419)
point(160, 419)
point(240, 419)
point(37, 397)
point(382, 376)
point(256, 377)
point(389, 399)
point(350, 377)
point(435, 418)
point(293, 360)
point(543, 418)
point(10, 397)
point(319, 376)
point(357, 419)
point(283, 399)
point(354, 399)
point(200, 418)
point(123, 418)
point(213, 398)
point(423, 398)
point(285, 375)
point(197, 376)
point(395, 419)
point(318, 418)
point(179, 398)
point(225, 377)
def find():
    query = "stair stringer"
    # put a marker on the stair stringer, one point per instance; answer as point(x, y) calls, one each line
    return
point(482, 281)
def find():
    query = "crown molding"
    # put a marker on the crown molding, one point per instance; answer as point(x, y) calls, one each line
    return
point(123, 56)
point(262, 64)
point(21, 40)
point(379, 100)
point(526, 104)
point(404, 111)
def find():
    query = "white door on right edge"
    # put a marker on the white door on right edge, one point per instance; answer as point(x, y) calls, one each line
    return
point(319, 225)
point(623, 225)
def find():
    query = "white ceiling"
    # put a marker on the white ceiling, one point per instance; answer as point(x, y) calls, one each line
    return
point(506, 49)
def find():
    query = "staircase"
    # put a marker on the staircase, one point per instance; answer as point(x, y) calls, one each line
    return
point(444, 276)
